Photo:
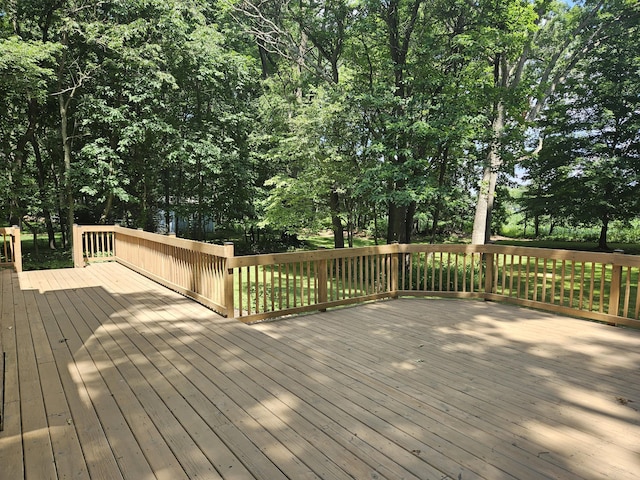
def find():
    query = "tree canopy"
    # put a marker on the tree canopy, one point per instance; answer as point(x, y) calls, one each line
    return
point(397, 116)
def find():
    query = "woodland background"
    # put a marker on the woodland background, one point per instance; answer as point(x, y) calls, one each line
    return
point(400, 119)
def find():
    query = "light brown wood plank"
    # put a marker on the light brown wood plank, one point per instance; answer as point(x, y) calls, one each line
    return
point(38, 452)
point(196, 357)
point(224, 404)
point(409, 364)
point(11, 452)
point(98, 455)
point(93, 367)
point(140, 373)
point(304, 332)
point(398, 389)
point(105, 352)
point(392, 450)
point(497, 398)
point(433, 416)
point(384, 420)
point(68, 456)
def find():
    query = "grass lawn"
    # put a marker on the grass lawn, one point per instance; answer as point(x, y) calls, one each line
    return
point(42, 257)
point(316, 242)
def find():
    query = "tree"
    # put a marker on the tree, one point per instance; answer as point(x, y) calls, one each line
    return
point(26, 70)
point(532, 55)
point(592, 132)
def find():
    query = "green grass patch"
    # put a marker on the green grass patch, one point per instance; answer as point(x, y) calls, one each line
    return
point(318, 242)
point(38, 256)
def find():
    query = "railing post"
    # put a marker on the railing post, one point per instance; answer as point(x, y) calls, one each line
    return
point(114, 242)
point(488, 273)
point(395, 267)
point(322, 282)
point(78, 260)
point(614, 292)
point(17, 249)
point(227, 281)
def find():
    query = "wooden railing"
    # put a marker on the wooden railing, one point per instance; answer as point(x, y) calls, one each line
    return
point(273, 285)
point(11, 252)
point(95, 243)
point(195, 269)
point(597, 286)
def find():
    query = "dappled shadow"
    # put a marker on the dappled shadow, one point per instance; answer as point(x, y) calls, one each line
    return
point(152, 384)
point(529, 393)
point(156, 385)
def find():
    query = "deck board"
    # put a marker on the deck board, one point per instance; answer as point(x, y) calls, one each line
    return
point(10, 438)
point(110, 375)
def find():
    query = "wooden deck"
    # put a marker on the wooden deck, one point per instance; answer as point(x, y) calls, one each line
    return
point(109, 375)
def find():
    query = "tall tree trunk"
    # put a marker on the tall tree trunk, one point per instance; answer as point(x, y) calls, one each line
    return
point(336, 222)
point(442, 172)
point(486, 193)
point(434, 224)
point(395, 225)
point(410, 213)
point(375, 224)
point(46, 213)
point(509, 79)
point(60, 208)
point(480, 219)
point(399, 32)
point(264, 59)
point(66, 148)
point(106, 211)
point(300, 61)
point(400, 225)
point(602, 241)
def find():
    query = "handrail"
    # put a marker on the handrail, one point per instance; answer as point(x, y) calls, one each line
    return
point(194, 269)
point(591, 285)
point(11, 253)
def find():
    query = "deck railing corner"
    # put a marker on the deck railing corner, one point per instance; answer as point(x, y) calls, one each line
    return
point(11, 248)
point(596, 286)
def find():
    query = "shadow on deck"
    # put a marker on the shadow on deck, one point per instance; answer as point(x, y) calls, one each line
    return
point(109, 375)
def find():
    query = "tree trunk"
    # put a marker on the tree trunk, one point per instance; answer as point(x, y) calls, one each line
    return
point(167, 202)
point(486, 193)
point(394, 226)
point(336, 222)
point(400, 223)
point(375, 224)
point(602, 241)
point(104, 216)
point(443, 154)
point(66, 147)
point(480, 219)
point(491, 197)
point(408, 223)
point(264, 59)
point(46, 213)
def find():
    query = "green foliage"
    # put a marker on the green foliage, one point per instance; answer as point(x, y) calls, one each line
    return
point(26, 68)
point(589, 169)
point(297, 116)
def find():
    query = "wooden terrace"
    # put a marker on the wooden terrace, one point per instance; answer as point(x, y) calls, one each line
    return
point(109, 375)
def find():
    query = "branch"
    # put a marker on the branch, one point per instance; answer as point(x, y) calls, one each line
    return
point(533, 153)
point(274, 38)
point(560, 75)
